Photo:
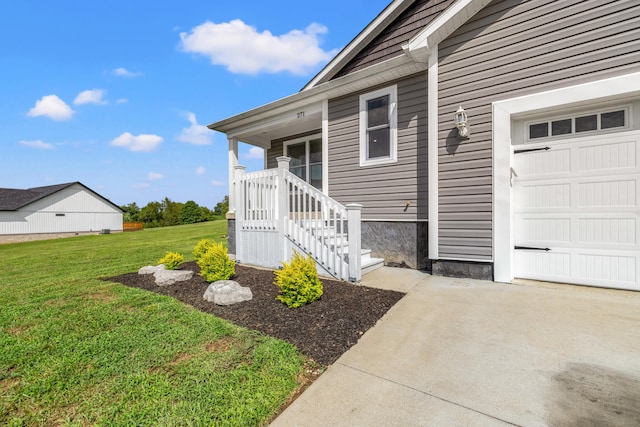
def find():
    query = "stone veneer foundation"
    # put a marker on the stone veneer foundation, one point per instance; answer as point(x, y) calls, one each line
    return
point(231, 236)
point(401, 244)
point(463, 269)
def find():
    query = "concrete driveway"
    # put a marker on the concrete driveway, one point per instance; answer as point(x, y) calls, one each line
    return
point(459, 352)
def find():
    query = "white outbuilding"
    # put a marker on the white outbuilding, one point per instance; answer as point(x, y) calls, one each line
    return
point(70, 208)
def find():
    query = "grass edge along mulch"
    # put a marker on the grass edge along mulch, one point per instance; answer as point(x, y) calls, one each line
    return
point(82, 351)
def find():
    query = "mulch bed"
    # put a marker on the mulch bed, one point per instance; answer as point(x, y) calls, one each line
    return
point(322, 330)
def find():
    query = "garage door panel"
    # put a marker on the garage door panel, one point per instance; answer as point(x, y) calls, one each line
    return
point(544, 265)
point(608, 231)
point(612, 269)
point(572, 265)
point(580, 200)
point(617, 231)
point(582, 192)
point(603, 156)
point(543, 163)
point(545, 196)
point(538, 231)
point(608, 192)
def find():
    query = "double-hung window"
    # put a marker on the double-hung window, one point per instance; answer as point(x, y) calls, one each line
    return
point(306, 159)
point(378, 127)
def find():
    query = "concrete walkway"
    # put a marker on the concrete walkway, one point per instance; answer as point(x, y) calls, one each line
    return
point(459, 352)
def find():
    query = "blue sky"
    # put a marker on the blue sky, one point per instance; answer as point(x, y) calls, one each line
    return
point(115, 94)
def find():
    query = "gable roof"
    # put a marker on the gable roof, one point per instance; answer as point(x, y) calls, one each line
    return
point(370, 32)
point(13, 199)
point(434, 32)
point(324, 86)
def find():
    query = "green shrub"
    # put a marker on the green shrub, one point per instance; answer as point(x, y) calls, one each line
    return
point(298, 281)
point(202, 247)
point(215, 263)
point(171, 260)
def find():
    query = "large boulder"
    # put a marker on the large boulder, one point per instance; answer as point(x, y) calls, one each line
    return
point(227, 292)
point(169, 277)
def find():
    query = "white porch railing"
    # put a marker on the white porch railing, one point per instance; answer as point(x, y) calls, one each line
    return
point(277, 213)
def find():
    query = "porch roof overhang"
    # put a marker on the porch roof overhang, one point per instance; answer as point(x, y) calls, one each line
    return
point(281, 118)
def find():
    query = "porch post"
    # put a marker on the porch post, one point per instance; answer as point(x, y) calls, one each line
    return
point(233, 162)
point(238, 171)
point(354, 212)
point(282, 206)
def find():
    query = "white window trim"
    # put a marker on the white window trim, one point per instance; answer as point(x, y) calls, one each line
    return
point(504, 112)
point(306, 139)
point(392, 91)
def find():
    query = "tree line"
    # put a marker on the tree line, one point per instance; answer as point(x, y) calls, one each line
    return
point(167, 213)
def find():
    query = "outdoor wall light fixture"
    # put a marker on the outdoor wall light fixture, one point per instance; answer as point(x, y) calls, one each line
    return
point(460, 119)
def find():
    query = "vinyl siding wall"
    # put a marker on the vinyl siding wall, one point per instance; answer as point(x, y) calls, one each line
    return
point(389, 43)
point(514, 48)
point(383, 190)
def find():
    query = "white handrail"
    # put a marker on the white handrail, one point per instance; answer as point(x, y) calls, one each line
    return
point(317, 224)
point(276, 200)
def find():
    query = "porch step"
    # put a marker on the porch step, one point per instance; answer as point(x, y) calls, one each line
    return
point(371, 264)
point(367, 263)
point(334, 240)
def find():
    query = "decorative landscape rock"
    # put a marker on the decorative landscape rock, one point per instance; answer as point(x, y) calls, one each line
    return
point(227, 292)
point(151, 269)
point(169, 277)
point(166, 277)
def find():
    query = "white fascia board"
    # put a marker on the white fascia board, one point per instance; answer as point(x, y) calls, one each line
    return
point(442, 27)
point(372, 30)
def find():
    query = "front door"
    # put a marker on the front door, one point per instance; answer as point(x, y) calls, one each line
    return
point(306, 159)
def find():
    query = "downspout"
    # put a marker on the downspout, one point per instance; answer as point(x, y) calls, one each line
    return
point(432, 133)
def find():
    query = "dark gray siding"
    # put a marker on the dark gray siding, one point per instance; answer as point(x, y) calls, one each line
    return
point(514, 48)
point(389, 43)
point(385, 189)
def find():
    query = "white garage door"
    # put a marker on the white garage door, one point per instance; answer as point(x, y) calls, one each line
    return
point(576, 210)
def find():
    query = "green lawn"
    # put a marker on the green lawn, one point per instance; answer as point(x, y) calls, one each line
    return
point(75, 350)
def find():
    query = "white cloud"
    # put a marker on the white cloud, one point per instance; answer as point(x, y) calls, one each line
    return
point(123, 72)
point(218, 184)
point(53, 107)
point(122, 101)
point(195, 134)
point(93, 96)
point(142, 142)
point(254, 153)
point(141, 185)
point(242, 49)
point(153, 176)
point(201, 170)
point(40, 145)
